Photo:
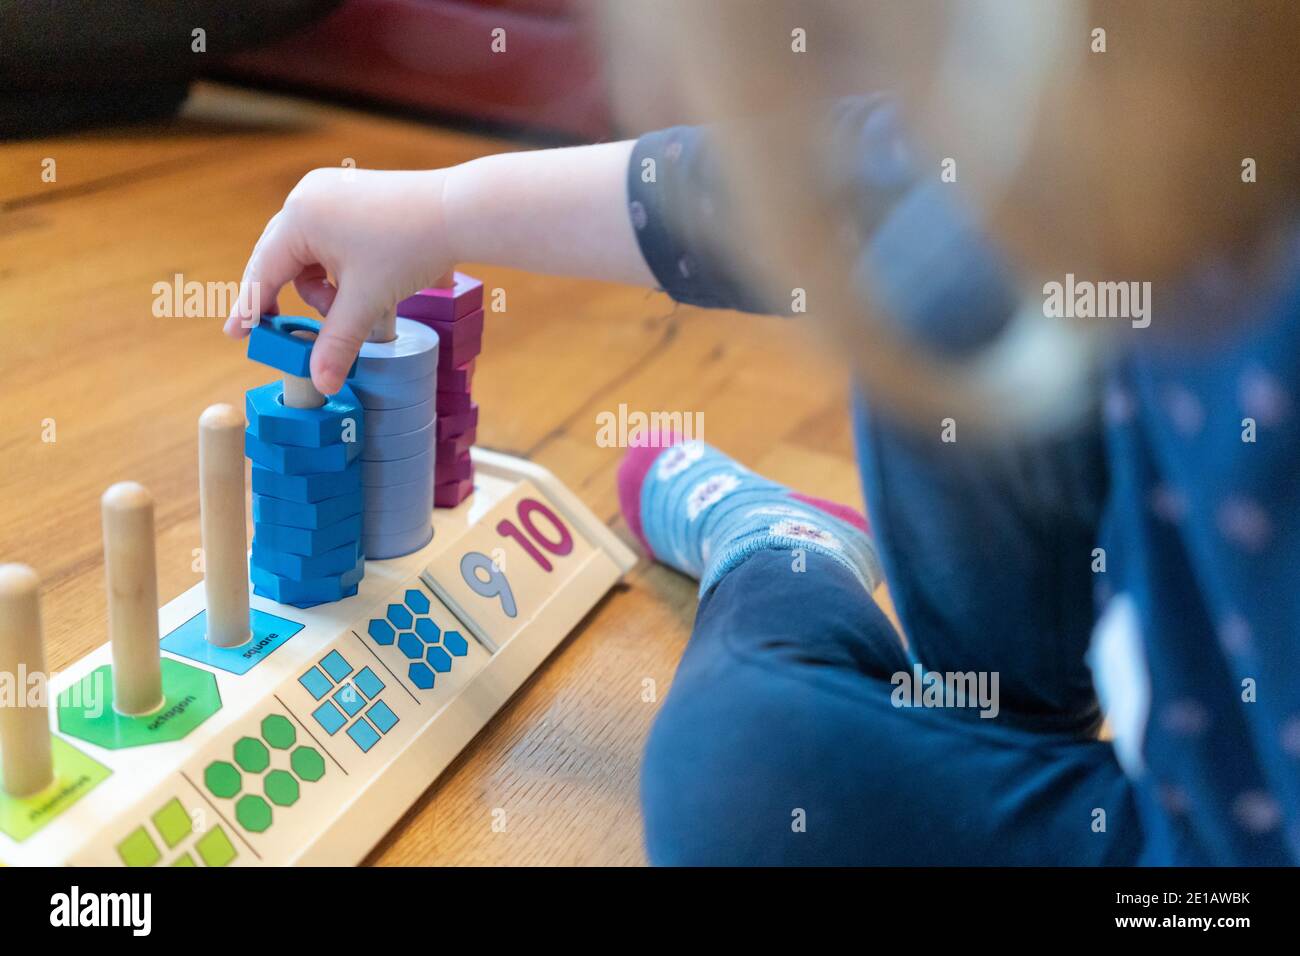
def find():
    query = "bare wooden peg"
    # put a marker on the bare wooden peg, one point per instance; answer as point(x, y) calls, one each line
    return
point(26, 764)
point(131, 569)
point(221, 515)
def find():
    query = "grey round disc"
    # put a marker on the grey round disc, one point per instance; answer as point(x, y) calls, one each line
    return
point(379, 547)
point(394, 497)
point(392, 447)
point(396, 421)
point(383, 524)
point(374, 392)
point(400, 471)
point(412, 355)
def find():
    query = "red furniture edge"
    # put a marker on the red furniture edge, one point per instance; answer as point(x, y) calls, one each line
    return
point(436, 56)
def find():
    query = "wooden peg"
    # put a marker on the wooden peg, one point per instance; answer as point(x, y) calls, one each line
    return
point(221, 515)
point(130, 565)
point(26, 764)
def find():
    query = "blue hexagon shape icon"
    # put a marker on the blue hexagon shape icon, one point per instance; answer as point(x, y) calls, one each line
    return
point(420, 676)
point(399, 616)
point(417, 602)
point(454, 641)
point(410, 645)
point(438, 659)
point(381, 631)
point(427, 630)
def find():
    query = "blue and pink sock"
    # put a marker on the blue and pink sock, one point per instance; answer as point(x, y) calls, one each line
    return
point(703, 513)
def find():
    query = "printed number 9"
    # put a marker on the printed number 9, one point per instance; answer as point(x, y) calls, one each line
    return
point(494, 585)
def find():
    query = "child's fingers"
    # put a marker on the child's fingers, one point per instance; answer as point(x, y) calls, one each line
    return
point(238, 321)
point(314, 286)
point(273, 264)
point(345, 329)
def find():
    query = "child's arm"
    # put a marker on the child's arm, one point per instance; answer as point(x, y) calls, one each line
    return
point(380, 236)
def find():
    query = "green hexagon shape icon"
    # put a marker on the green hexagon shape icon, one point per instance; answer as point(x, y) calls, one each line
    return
point(222, 779)
point(278, 732)
point(253, 813)
point(281, 788)
point(307, 763)
point(190, 697)
point(251, 755)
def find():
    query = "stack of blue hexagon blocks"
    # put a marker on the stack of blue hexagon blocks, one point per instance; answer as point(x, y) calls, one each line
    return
point(307, 494)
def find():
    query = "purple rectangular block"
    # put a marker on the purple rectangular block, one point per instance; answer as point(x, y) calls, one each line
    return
point(453, 335)
point(452, 493)
point(444, 305)
point(449, 426)
point(453, 469)
point(450, 357)
point(457, 379)
point(453, 403)
point(456, 445)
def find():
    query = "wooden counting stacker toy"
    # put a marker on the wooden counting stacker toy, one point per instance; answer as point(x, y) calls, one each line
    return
point(231, 728)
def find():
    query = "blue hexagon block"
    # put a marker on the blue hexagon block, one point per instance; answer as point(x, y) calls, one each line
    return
point(427, 630)
point(410, 646)
point(302, 514)
point(309, 542)
point(307, 488)
point(381, 632)
point(341, 418)
point(399, 616)
point(455, 642)
point(306, 593)
point(417, 601)
point(420, 676)
point(296, 460)
point(438, 659)
point(273, 343)
point(299, 567)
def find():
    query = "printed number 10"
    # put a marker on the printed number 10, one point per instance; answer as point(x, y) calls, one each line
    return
point(495, 584)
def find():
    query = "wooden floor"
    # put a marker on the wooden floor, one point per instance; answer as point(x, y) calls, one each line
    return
point(81, 349)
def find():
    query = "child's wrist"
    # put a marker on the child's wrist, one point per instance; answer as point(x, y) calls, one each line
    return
point(459, 209)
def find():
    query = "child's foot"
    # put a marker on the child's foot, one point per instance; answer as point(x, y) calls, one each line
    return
point(701, 512)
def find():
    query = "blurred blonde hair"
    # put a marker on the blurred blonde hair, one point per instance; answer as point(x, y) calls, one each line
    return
point(1119, 165)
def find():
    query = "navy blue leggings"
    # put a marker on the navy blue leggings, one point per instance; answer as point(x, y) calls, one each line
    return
point(779, 742)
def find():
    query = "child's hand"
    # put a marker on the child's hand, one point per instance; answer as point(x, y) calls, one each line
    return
point(379, 235)
point(382, 236)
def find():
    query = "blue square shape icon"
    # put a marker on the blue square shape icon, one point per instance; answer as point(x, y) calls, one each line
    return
point(336, 665)
point(363, 735)
point(316, 683)
point(328, 716)
point(368, 683)
point(382, 716)
point(349, 700)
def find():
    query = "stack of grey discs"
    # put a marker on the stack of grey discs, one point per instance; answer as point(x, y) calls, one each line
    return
point(396, 382)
